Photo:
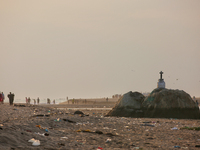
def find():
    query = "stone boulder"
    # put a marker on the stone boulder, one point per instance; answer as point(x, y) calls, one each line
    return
point(129, 105)
point(168, 103)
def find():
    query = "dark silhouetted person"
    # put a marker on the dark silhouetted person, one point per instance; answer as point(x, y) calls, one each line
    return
point(38, 100)
point(11, 98)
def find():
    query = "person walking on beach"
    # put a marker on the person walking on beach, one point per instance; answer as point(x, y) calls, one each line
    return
point(34, 101)
point(3, 97)
point(26, 100)
point(38, 100)
point(11, 98)
point(29, 100)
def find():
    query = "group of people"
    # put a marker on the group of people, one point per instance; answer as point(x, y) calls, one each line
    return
point(28, 100)
point(10, 97)
point(49, 101)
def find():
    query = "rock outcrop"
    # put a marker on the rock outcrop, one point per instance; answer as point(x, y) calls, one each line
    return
point(129, 105)
point(168, 103)
point(161, 103)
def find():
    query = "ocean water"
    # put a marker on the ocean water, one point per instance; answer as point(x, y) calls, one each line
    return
point(42, 101)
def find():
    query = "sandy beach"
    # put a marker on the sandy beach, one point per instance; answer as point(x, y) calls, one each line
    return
point(57, 127)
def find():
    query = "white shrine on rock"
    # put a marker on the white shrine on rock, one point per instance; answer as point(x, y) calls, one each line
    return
point(161, 82)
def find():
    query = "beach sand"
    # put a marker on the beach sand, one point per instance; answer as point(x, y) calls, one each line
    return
point(20, 124)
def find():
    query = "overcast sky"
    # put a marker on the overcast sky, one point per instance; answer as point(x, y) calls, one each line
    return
point(97, 48)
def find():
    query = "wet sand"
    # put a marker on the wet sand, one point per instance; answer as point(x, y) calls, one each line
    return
point(20, 124)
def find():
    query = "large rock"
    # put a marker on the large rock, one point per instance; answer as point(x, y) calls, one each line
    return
point(168, 103)
point(129, 105)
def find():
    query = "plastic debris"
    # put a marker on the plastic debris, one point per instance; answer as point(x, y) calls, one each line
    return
point(191, 128)
point(148, 125)
point(40, 134)
point(36, 143)
point(99, 148)
point(69, 120)
point(58, 119)
point(46, 130)
point(31, 140)
point(108, 140)
point(64, 138)
point(174, 128)
point(98, 132)
point(78, 112)
point(177, 146)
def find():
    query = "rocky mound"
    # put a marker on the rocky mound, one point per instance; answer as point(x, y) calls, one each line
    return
point(129, 105)
point(168, 103)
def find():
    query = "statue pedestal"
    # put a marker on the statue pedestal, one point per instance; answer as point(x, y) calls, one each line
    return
point(161, 83)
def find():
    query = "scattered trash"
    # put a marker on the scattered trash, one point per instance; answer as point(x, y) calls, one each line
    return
point(108, 140)
point(99, 148)
point(1, 125)
point(105, 128)
point(64, 138)
point(78, 112)
point(110, 134)
point(46, 130)
point(19, 105)
point(34, 142)
point(31, 140)
point(83, 130)
point(40, 134)
point(41, 115)
point(1, 128)
point(58, 119)
point(191, 128)
point(147, 122)
point(69, 120)
point(39, 126)
point(46, 134)
point(62, 144)
point(28, 131)
point(174, 128)
point(148, 125)
point(197, 145)
point(98, 132)
point(177, 146)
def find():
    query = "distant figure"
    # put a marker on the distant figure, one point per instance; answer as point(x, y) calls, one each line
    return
point(26, 100)
point(34, 101)
point(54, 101)
point(107, 99)
point(11, 98)
point(67, 98)
point(29, 100)
point(48, 101)
point(197, 103)
point(38, 100)
point(85, 101)
point(73, 101)
point(3, 97)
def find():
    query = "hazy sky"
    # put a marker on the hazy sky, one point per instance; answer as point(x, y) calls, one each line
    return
point(97, 48)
